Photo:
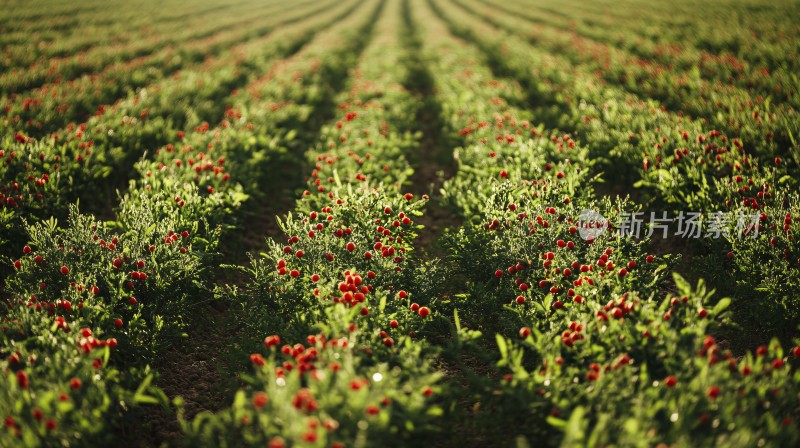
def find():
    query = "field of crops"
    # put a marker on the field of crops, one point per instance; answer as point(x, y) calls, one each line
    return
point(369, 223)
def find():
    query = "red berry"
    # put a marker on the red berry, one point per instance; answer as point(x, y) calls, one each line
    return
point(524, 332)
point(498, 273)
point(364, 311)
point(118, 323)
point(22, 379)
point(713, 392)
point(26, 249)
point(670, 381)
point(351, 246)
point(394, 324)
point(424, 311)
point(702, 313)
point(520, 300)
point(623, 272)
point(388, 342)
point(64, 270)
point(649, 259)
point(260, 400)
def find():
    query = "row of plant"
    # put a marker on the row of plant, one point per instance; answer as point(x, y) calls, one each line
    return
point(588, 346)
point(682, 166)
point(91, 303)
point(41, 178)
point(60, 33)
point(765, 123)
point(754, 69)
point(155, 50)
point(343, 301)
point(770, 39)
point(45, 110)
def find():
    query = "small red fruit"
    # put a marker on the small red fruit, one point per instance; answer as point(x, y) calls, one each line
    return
point(713, 392)
point(260, 400)
point(22, 379)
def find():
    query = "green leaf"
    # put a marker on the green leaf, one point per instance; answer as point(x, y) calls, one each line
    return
point(557, 422)
point(683, 286)
point(502, 346)
point(722, 305)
